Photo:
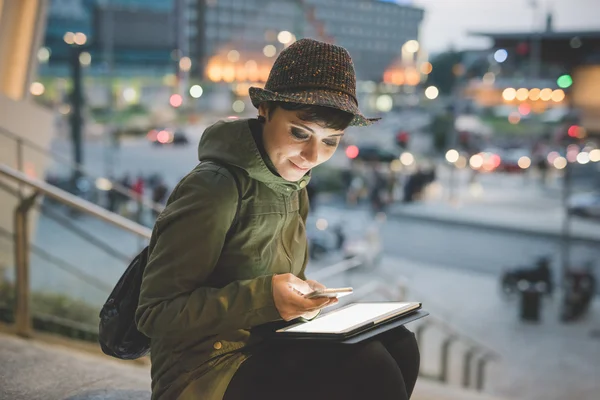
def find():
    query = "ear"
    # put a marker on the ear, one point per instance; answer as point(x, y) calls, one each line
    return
point(263, 110)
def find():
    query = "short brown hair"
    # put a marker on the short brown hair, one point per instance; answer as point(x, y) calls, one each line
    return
point(327, 117)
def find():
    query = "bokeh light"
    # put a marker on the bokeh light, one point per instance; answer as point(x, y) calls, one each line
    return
point(43, 54)
point(524, 162)
point(452, 156)
point(85, 58)
point(476, 161)
point(384, 103)
point(595, 155)
point(558, 95)
point(534, 94)
point(564, 81)
point(546, 94)
point(412, 46)
point(524, 109)
point(37, 88)
point(238, 106)
point(176, 100)
point(509, 94)
point(233, 56)
point(185, 64)
point(352, 151)
point(196, 91)
point(432, 92)
point(500, 55)
point(285, 37)
point(269, 50)
point(560, 162)
point(426, 68)
point(322, 224)
point(407, 158)
point(522, 94)
point(583, 157)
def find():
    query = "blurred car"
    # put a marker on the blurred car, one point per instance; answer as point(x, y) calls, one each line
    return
point(160, 137)
point(585, 205)
point(514, 160)
point(377, 154)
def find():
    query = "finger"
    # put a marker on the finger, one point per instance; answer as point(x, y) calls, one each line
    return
point(315, 285)
point(316, 302)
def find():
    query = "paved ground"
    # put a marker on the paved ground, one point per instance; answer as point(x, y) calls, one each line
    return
point(543, 361)
point(36, 370)
point(546, 361)
point(499, 201)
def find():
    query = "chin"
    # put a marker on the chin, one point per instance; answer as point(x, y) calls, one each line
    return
point(292, 176)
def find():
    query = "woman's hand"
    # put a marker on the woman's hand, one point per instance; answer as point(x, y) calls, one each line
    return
point(288, 294)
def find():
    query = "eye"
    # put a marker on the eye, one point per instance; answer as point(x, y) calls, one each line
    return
point(298, 134)
point(330, 142)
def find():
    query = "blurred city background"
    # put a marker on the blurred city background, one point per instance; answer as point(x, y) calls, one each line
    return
point(478, 193)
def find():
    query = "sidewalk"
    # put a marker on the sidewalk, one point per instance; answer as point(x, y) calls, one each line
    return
point(510, 203)
point(544, 361)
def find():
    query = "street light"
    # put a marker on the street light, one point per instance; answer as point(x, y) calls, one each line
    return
point(412, 46)
point(78, 57)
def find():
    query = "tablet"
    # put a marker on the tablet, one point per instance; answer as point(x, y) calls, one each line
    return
point(351, 319)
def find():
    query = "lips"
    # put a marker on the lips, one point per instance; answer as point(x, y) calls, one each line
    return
point(299, 167)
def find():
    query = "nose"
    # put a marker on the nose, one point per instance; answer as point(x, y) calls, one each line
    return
point(310, 152)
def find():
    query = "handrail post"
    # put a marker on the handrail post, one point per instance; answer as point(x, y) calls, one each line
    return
point(22, 303)
point(481, 372)
point(20, 166)
point(419, 332)
point(444, 358)
point(467, 366)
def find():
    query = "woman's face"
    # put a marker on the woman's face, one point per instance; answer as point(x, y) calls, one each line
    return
point(296, 146)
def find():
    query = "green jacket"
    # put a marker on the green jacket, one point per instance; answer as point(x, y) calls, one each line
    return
point(201, 294)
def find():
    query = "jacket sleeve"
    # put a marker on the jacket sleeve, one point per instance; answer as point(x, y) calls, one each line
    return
point(187, 241)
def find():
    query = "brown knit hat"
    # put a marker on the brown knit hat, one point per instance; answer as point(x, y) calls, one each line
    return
point(313, 72)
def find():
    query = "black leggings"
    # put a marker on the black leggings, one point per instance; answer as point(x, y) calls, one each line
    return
point(383, 368)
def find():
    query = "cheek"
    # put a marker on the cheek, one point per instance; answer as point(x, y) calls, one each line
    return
point(325, 153)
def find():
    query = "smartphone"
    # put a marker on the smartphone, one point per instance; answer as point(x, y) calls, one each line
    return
point(329, 292)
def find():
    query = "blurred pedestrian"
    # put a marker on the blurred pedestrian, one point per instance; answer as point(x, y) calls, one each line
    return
point(228, 254)
point(159, 195)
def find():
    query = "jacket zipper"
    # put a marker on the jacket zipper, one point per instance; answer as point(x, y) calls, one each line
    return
point(285, 217)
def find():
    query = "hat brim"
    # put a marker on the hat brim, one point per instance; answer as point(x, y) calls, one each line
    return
point(318, 97)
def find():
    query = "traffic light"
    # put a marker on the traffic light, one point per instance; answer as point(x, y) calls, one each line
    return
point(402, 139)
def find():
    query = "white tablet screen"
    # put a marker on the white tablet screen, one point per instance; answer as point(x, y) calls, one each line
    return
point(341, 320)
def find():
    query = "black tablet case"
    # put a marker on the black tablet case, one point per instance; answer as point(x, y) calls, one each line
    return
point(357, 337)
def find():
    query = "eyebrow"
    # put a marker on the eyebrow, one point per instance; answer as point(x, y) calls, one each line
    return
point(300, 125)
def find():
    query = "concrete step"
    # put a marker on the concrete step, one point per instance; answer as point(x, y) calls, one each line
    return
point(50, 367)
point(431, 390)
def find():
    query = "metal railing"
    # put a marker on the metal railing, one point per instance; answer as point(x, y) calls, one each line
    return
point(476, 356)
point(22, 314)
point(24, 143)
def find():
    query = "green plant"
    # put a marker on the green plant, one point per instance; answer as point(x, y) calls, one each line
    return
point(47, 303)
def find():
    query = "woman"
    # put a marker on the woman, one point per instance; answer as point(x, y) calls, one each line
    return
point(228, 253)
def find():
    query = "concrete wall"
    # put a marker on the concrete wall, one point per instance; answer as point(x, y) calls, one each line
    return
point(22, 23)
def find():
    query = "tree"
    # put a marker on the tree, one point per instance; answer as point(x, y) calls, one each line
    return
point(443, 73)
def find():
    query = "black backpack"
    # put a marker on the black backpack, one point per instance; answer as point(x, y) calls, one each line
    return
point(118, 333)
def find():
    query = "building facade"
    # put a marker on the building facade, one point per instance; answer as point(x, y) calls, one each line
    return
point(372, 31)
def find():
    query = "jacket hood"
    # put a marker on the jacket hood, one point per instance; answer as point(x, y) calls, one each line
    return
point(231, 142)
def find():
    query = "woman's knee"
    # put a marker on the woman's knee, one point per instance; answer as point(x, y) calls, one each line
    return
point(373, 358)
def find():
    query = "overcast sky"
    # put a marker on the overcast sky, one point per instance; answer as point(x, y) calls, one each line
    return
point(448, 21)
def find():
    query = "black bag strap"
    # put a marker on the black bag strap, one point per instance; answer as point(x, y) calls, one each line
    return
point(239, 190)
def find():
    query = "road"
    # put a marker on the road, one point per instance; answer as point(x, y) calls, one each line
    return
point(472, 248)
